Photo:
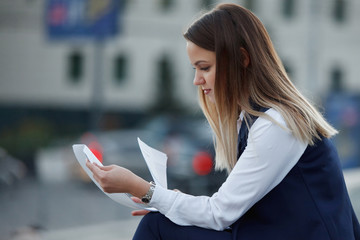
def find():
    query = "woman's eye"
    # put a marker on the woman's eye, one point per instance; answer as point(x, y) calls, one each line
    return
point(204, 68)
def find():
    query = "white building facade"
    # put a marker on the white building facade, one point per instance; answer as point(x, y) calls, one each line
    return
point(318, 41)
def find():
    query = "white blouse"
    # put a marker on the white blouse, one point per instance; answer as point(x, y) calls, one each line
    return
point(270, 154)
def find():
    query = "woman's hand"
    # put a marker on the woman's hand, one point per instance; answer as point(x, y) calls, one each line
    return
point(116, 179)
point(141, 212)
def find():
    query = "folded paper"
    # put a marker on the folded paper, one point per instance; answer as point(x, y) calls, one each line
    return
point(155, 160)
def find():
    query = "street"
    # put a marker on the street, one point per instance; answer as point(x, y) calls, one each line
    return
point(55, 206)
point(79, 210)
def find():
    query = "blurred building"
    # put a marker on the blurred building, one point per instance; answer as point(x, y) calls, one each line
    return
point(318, 41)
point(145, 68)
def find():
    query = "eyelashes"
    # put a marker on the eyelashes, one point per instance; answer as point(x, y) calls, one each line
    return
point(203, 68)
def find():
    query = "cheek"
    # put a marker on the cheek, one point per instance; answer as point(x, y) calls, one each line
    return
point(212, 79)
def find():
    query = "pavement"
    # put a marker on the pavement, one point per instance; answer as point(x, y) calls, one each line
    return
point(114, 230)
point(119, 230)
point(71, 210)
point(34, 210)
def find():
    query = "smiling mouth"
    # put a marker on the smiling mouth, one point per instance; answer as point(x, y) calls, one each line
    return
point(206, 91)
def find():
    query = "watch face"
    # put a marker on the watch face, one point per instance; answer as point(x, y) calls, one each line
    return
point(145, 200)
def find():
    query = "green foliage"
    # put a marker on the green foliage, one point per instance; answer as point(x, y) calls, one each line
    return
point(22, 139)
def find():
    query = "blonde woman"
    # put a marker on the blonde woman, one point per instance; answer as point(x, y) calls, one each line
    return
point(284, 181)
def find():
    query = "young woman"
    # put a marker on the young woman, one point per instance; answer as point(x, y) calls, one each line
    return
point(285, 180)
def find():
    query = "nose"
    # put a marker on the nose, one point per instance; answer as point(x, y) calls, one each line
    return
point(198, 79)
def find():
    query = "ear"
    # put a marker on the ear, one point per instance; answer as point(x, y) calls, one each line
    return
point(246, 57)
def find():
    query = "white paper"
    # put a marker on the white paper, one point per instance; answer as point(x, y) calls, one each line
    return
point(82, 153)
point(156, 162)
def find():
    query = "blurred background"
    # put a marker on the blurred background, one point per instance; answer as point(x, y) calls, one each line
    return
point(106, 72)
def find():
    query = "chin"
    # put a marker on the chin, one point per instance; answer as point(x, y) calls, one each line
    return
point(211, 99)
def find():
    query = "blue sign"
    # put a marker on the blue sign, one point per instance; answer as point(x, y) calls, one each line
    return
point(343, 112)
point(95, 19)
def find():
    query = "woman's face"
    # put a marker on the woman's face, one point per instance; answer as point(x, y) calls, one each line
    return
point(204, 63)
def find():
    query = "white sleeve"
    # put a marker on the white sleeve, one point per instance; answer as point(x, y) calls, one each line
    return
point(270, 154)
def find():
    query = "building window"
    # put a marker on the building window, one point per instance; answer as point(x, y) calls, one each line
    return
point(75, 66)
point(337, 79)
point(250, 4)
point(339, 10)
point(288, 8)
point(207, 4)
point(166, 5)
point(165, 85)
point(120, 68)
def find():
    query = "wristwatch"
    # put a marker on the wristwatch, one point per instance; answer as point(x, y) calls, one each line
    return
point(147, 197)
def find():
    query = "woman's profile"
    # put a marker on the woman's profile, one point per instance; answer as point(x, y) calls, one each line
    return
point(284, 175)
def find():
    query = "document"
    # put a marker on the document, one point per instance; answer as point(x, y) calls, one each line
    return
point(155, 160)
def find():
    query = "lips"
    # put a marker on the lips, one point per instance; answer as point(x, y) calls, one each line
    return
point(206, 91)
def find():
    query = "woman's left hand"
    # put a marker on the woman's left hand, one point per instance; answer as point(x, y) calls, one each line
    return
point(113, 178)
point(141, 212)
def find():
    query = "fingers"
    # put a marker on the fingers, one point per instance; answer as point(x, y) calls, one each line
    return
point(137, 200)
point(139, 212)
point(90, 165)
point(106, 168)
point(95, 169)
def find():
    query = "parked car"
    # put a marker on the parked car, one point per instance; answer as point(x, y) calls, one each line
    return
point(186, 141)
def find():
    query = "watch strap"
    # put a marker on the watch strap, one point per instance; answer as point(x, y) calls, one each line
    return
point(147, 197)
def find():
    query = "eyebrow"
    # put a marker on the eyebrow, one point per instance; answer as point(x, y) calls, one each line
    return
point(200, 61)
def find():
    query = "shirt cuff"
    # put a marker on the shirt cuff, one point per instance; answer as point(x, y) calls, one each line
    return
point(163, 199)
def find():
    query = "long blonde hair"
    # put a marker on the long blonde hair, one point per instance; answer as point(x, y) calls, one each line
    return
point(226, 30)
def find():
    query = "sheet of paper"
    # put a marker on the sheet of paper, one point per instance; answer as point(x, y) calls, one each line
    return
point(82, 152)
point(156, 162)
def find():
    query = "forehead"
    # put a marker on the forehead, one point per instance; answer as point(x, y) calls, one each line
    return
point(197, 53)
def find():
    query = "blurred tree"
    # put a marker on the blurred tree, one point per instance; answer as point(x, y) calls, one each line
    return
point(23, 139)
point(24, 130)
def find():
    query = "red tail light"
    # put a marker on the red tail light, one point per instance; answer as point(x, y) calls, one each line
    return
point(202, 163)
point(95, 147)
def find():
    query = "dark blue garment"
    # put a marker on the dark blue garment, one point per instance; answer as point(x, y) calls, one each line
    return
point(310, 203)
point(156, 226)
point(244, 132)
